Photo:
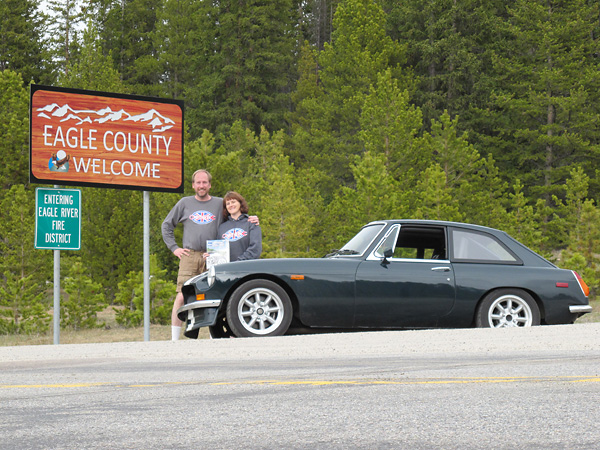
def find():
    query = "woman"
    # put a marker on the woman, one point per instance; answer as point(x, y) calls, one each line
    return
point(245, 238)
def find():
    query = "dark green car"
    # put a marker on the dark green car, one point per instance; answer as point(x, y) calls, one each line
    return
point(393, 274)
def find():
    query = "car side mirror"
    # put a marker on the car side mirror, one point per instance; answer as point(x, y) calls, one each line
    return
point(388, 253)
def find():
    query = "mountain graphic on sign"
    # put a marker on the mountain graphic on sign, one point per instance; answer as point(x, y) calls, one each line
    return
point(65, 113)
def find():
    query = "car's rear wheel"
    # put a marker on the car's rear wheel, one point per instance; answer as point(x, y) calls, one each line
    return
point(259, 308)
point(507, 308)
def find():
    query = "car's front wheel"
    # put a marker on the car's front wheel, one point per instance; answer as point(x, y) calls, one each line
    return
point(259, 308)
point(507, 308)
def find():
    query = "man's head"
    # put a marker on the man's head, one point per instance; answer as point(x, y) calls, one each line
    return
point(201, 183)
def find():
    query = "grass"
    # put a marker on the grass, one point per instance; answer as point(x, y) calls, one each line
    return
point(594, 316)
point(113, 332)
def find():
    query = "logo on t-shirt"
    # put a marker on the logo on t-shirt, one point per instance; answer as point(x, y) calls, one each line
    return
point(235, 234)
point(202, 217)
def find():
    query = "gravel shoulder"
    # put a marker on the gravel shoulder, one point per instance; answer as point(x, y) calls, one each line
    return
point(568, 338)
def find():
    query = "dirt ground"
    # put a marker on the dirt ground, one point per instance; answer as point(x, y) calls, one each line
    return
point(112, 332)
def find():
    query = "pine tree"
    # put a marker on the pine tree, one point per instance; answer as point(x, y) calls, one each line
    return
point(24, 269)
point(317, 21)
point(547, 95)
point(584, 240)
point(17, 236)
point(84, 298)
point(456, 158)
point(112, 235)
point(472, 182)
point(580, 225)
point(130, 297)
point(66, 16)
point(326, 122)
point(179, 40)
point(247, 65)
point(311, 140)
point(308, 182)
point(377, 196)
point(273, 195)
point(127, 30)
point(390, 126)
point(523, 219)
point(486, 196)
point(91, 69)
point(448, 45)
point(434, 197)
point(21, 307)
point(22, 48)
point(230, 163)
point(14, 131)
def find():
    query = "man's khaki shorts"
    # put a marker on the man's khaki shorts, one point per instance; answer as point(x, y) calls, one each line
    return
point(190, 266)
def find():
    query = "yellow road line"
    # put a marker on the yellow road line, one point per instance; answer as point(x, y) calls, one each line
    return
point(38, 386)
point(435, 381)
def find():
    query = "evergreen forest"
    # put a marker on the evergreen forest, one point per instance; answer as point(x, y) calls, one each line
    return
point(324, 115)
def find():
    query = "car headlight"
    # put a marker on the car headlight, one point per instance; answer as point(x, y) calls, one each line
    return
point(210, 279)
point(193, 280)
point(207, 277)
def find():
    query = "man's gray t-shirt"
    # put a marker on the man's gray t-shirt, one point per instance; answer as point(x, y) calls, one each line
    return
point(200, 221)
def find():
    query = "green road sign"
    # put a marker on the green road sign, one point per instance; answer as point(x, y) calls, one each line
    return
point(58, 219)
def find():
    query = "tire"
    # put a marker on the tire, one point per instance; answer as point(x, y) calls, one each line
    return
point(220, 330)
point(507, 308)
point(259, 308)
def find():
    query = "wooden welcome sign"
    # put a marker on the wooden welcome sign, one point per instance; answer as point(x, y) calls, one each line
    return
point(105, 140)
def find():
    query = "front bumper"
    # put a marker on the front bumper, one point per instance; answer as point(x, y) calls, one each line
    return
point(202, 313)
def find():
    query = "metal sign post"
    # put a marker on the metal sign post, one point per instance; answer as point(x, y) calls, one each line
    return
point(57, 227)
point(146, 266)
point(56, 297)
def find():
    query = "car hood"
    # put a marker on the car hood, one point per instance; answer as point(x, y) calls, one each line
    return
point(291, 265)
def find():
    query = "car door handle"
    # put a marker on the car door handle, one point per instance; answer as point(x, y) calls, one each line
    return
point(441, 269)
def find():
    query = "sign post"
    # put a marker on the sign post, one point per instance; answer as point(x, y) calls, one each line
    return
point(57, 227)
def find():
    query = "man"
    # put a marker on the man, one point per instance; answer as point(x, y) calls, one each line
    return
point(201, 215)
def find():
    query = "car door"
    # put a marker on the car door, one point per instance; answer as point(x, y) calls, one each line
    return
point(413, 287)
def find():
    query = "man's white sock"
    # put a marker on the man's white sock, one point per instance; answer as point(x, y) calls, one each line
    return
point(175, 332)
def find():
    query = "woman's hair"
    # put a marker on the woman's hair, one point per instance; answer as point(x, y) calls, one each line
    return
point(235, 196)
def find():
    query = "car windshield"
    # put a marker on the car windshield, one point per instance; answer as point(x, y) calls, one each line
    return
point(359, 243)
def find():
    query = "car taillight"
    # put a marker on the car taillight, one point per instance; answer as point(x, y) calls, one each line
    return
point(584, 287)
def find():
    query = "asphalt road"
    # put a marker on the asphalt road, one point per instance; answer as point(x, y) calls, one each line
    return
point(535, 388)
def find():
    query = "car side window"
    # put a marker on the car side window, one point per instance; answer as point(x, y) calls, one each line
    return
point(479, 247)
point(421, 242)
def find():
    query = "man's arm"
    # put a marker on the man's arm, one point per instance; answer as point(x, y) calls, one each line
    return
point(168, 229)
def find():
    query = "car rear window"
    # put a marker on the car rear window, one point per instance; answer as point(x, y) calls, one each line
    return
point(475, 246)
